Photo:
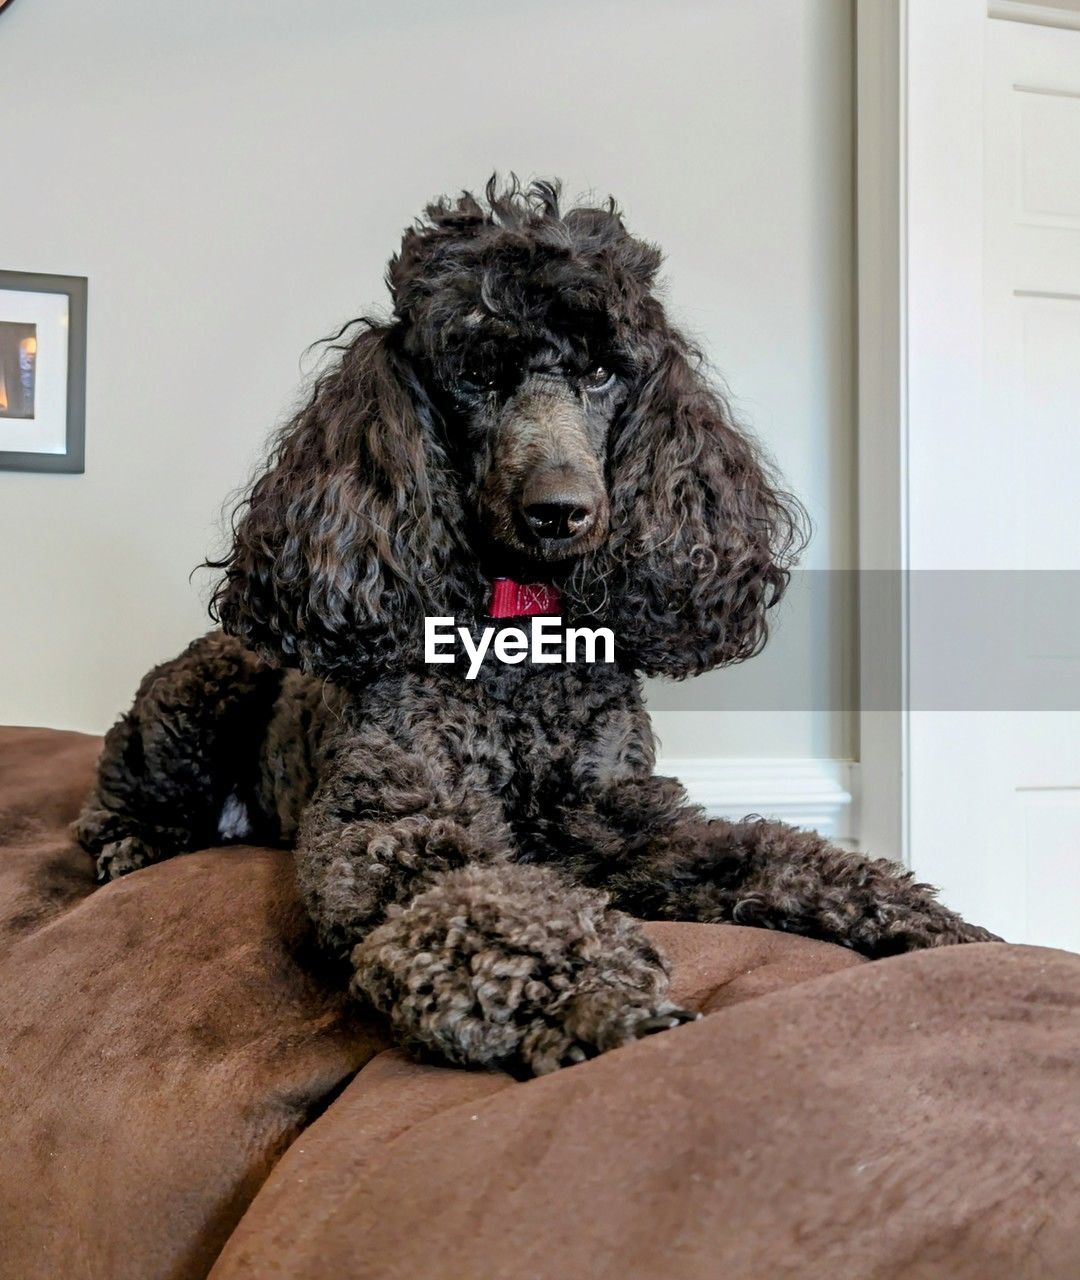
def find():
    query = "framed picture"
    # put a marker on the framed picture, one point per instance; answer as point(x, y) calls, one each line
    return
point(42, 371)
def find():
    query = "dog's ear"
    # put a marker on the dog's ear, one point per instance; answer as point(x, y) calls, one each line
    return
point(702, 538)
point(350, 536)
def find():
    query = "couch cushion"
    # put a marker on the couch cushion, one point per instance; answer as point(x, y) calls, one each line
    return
point(914, 1118)
point(166, 1037)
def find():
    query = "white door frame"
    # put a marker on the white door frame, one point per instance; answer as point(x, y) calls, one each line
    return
point(919, 102)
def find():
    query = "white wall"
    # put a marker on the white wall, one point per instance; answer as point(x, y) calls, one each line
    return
point(232, 177)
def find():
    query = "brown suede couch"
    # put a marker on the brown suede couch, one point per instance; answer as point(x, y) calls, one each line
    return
point(184, 1092)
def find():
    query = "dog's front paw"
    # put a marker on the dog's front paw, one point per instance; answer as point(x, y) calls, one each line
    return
point(123, 856)
point(594, 1026)
point(509, 966)
point(931, 926)
point(975, 933)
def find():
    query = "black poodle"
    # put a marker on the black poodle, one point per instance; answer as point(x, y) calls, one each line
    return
point(527, 433)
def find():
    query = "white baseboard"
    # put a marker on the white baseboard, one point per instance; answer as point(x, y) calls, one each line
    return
point(807, 793)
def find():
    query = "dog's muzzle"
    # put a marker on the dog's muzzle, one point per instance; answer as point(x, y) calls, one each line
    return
point(550, 483)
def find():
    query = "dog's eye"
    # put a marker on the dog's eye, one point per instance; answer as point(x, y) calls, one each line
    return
point(478, 379)
point(597, 378)
point(480, 376)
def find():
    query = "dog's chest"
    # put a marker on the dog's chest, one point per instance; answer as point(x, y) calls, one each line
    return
point(565, 732)
point(535, 737)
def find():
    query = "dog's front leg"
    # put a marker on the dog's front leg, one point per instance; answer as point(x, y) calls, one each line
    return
point(475, 958)
point(661, 858)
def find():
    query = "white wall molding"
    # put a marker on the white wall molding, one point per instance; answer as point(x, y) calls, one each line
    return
point(881, 120)
point(806, 793)
point(1043, 13)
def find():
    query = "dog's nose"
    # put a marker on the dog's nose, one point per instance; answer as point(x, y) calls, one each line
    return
point(560, 519)
point(558, 508)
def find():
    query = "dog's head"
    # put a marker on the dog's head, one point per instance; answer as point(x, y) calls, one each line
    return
point(520, 322)
point(528, 411)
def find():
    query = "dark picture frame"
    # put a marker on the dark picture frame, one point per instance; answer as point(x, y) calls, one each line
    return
point(73, 457)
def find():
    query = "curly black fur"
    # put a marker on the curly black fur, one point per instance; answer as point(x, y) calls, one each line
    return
point(470, 846)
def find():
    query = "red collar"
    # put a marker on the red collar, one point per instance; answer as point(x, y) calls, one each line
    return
point(510, 599)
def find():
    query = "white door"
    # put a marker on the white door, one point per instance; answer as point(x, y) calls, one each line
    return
point(994, 500)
